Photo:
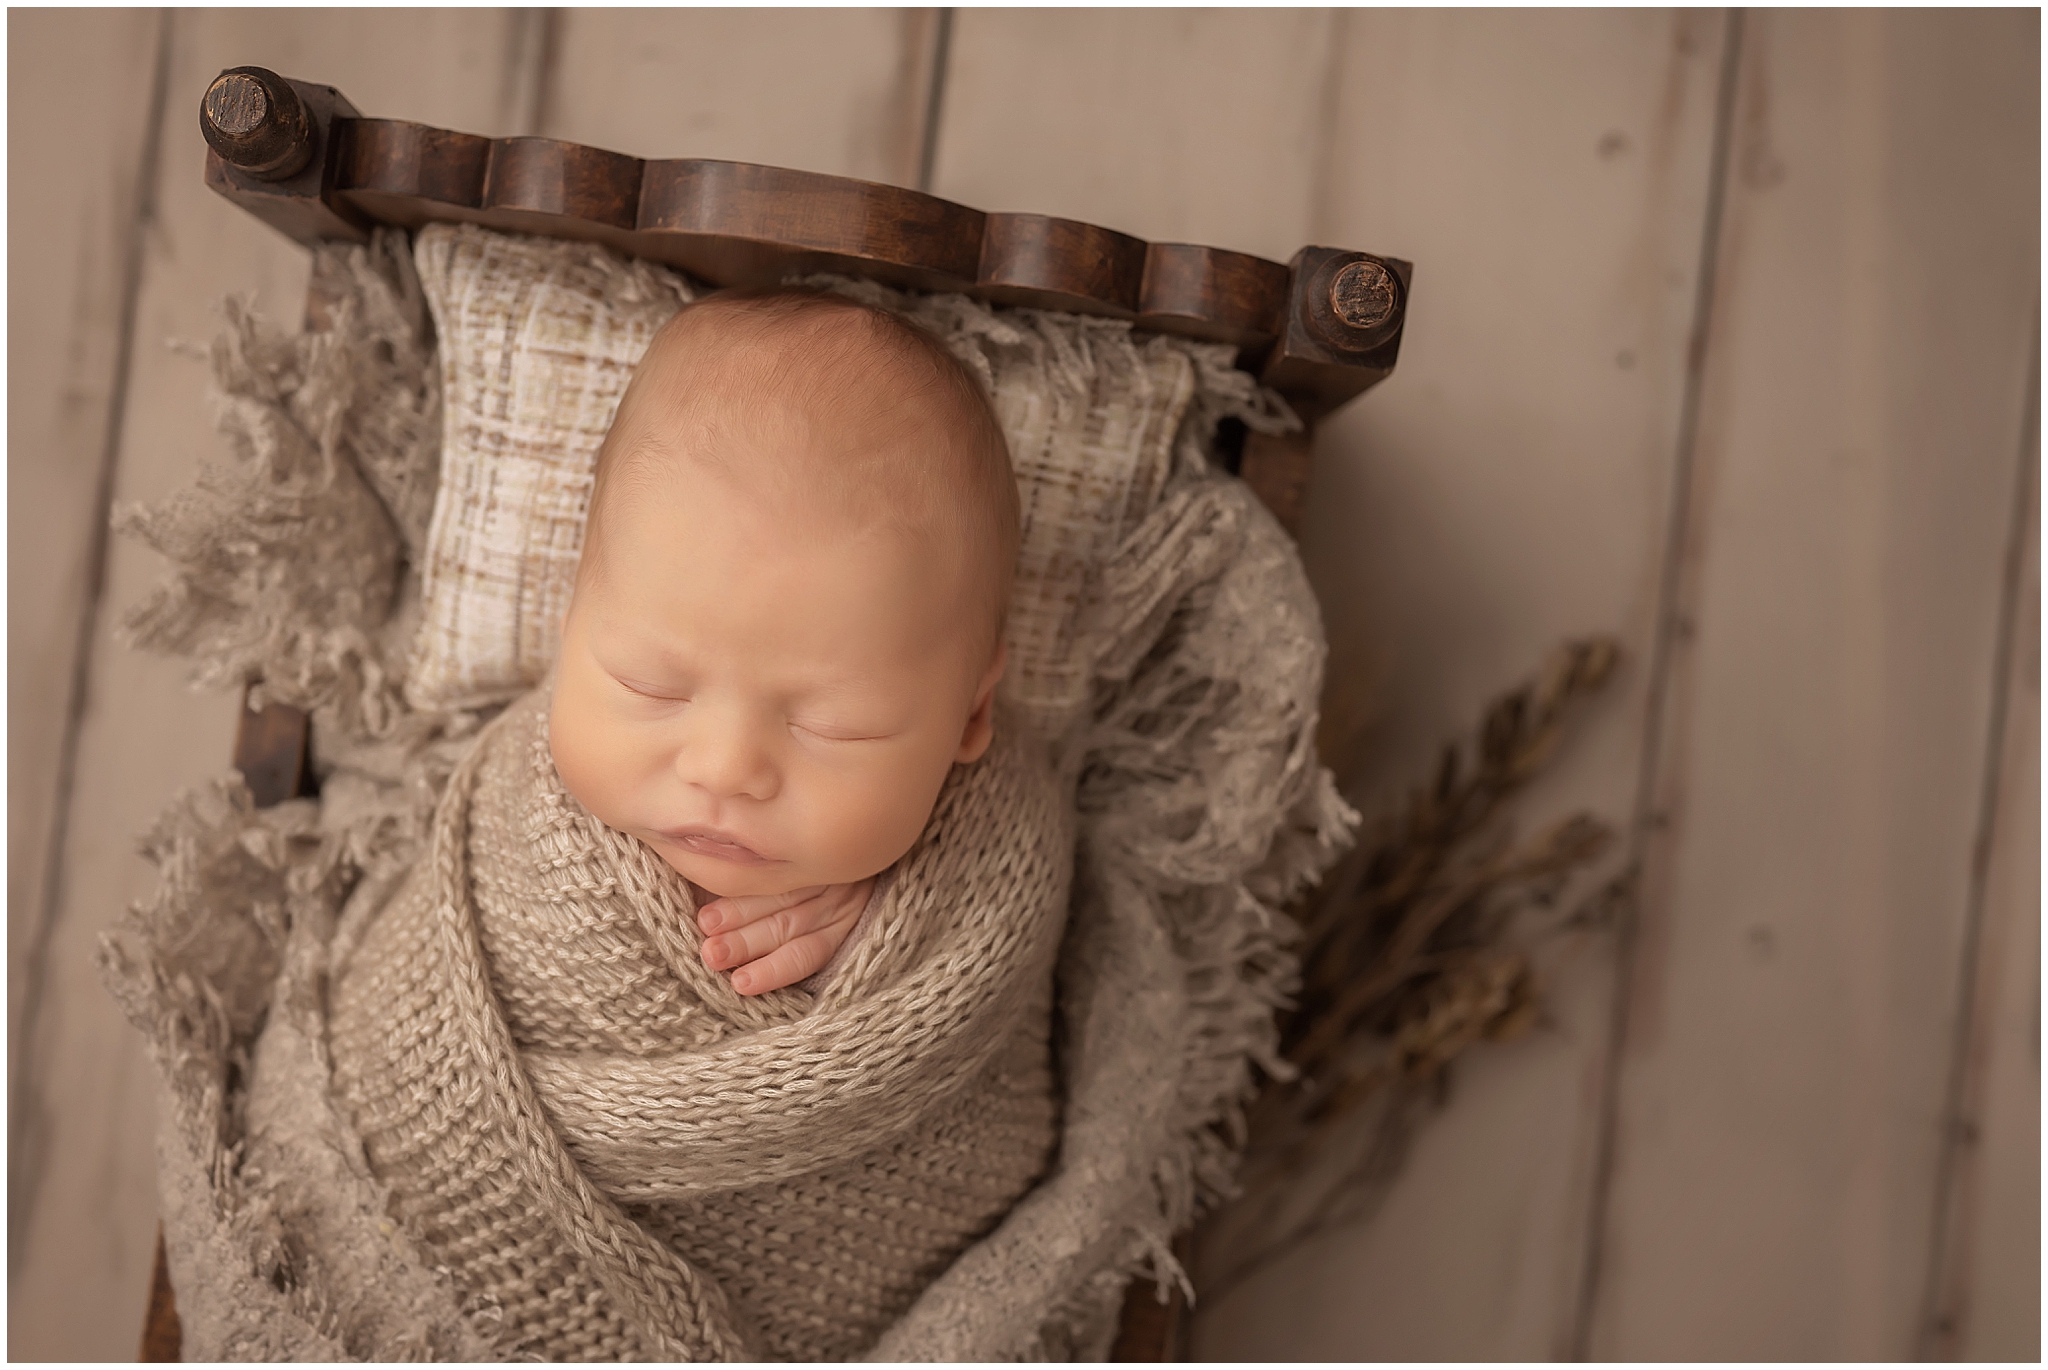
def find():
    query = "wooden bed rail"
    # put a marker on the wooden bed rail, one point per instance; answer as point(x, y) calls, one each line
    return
point(1320, 329)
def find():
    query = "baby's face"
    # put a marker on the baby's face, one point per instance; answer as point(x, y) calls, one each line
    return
point(767, 695)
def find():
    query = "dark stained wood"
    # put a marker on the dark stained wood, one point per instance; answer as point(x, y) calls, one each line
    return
point(1205, 292)
point(1324, 329)
point(1150, 1329)
point(302, 205)
point(1275, 466)
point(748, 224)
point(1361, 297)
point(390, 162)
point(257, 123)
point(271, 753)
point(545, 176)
point(1041, 262)
point(809, 212)
point(1321, 358)
point(1348, 303)
point(163, 1338)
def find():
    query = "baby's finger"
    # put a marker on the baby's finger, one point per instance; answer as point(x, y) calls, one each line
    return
point(792, 961)
point(736, 911)
point(771, 930)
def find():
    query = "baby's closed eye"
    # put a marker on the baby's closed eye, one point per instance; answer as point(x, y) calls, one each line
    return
point(651, 697)
point(839, 731)
point(666, 694)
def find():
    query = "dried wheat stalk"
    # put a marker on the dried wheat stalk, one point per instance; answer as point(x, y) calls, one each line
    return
point(1414, 949)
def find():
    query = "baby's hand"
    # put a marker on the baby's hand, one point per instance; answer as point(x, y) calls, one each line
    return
point(778, 939)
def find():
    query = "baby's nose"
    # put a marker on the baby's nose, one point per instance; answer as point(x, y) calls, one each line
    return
point(726, 758)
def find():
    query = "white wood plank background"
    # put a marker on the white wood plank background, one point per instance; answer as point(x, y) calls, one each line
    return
point(1793, 1002)
point(1222, 109)
point(1505, 491)
point(838, 91)
point(1791, 1023)
point(69, 282)
point(1988, 1298)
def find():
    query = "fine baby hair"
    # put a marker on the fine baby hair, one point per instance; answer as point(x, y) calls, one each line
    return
point(738, 359)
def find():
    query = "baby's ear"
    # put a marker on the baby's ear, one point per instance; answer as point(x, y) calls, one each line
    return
point(981, 727)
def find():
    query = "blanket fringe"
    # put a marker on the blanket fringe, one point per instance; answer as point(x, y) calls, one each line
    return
point(286, 559)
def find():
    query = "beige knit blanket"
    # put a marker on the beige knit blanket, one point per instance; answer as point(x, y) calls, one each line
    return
point(597, 1136)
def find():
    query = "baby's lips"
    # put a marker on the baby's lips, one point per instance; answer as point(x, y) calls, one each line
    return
point(718, 846)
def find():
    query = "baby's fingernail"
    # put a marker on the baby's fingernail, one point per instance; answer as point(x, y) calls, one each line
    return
point(710, 918)
point(742, 980)
point(714, 954)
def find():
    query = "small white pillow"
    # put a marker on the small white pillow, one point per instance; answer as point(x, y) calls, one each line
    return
point(538, 338)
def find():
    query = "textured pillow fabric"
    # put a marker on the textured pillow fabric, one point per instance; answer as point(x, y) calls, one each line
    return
point(537, 341)
point(538, 338)
point(1091, 418)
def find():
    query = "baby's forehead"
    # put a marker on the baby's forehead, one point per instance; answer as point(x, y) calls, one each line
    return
point(817, 388)
point(819, 411)
point(817, 469)
point(729, 530)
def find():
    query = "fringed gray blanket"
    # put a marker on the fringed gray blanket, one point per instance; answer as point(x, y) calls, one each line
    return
point(272, 970)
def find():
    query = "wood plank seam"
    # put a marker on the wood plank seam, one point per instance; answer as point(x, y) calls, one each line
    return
point(25, 1113)
point(935, 99)
point(1946, 1301)
point(531, 41)
point(1321, 216)
point(1646, 821)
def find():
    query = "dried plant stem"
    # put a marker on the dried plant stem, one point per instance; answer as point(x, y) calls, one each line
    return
point(1416, 948)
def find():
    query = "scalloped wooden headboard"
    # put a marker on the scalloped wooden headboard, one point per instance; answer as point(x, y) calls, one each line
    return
point(1320, 329)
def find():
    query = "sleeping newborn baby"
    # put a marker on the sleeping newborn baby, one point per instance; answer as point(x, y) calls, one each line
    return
point(787, 625)
point(716, 1022)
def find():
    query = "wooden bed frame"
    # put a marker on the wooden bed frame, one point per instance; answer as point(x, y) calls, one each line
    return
point(1320, 329)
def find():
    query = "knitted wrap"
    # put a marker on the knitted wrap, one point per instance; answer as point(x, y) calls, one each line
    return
point(598, 1136)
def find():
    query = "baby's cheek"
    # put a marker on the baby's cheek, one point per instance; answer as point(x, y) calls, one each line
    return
point(584, 756)
point(866, 825)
